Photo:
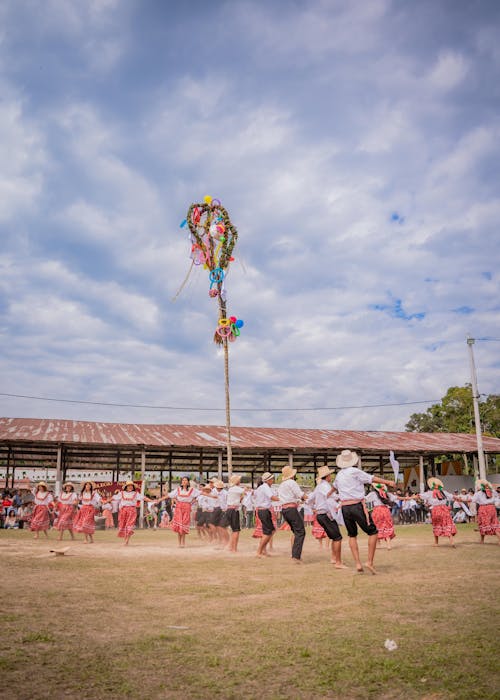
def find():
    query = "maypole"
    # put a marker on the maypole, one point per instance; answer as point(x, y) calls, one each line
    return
point(213, 238)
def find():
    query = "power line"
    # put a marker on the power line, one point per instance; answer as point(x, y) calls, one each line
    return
point(194, 408)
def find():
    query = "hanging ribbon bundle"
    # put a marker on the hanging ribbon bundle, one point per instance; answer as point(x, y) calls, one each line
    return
point(213, 237)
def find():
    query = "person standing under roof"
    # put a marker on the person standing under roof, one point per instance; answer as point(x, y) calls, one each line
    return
point(350, 483)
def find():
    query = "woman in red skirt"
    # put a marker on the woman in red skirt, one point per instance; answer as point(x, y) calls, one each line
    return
point(487, 519)
point(66, 508)
point(184, 496)
point(40, 520)
point(381, 500)
point(442, 523)
point(130, 500)
point(84, 522)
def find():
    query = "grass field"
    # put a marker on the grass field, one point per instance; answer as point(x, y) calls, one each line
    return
point(152, 621)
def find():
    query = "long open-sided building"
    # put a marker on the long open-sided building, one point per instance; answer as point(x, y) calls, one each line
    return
point(70, 446)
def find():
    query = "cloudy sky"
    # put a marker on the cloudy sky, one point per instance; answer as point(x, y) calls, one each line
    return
point(356, 146)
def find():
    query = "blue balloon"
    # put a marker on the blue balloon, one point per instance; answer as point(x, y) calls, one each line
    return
point(183, 223)
point(239, 323)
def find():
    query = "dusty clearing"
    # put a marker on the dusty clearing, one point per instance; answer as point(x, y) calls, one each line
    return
point(152, 620)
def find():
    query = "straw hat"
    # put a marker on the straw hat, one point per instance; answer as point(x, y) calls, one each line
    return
point(235, 480)
point(218, 484)
point(482, 482)
point(41, 483)
point(433, 482)
point(128, 483)
point(68, 483)
point(267, 476)
point(287, 473)
point(324, 471)
point(347, 459)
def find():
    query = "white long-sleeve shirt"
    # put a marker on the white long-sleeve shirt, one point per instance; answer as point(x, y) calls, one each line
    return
point(350, 483)
point(290, 492)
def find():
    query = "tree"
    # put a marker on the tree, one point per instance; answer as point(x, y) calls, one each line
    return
point(455, 414)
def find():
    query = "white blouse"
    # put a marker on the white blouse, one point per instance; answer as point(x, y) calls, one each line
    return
point(431, 501)
point(43, 500)
point(90, 499)
point(482, 499)
point(68, 499)
point(375, 499)
point(130, 499)
point(182, 496)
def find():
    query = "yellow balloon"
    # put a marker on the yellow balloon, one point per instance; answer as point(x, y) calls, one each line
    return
point(207, 198)
point(224, 322)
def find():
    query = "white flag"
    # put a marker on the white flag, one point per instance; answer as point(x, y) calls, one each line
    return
point(394, 465)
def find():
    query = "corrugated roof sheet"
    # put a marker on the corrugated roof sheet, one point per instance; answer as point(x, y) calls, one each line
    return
point(210, 436)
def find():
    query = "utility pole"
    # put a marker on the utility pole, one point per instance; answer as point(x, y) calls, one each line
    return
point(477, 420)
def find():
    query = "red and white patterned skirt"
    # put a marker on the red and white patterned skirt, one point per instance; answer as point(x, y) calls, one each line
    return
point(65, 518)
point(84, 520)
point(442, 524)
point(126, 521)
point(317, 531)
point(182, 518)
point(487, 520)
point(382, 518)
point(40, 519)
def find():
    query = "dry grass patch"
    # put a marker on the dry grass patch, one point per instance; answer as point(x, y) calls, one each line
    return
point(107, 621)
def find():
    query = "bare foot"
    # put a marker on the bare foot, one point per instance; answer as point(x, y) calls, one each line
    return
point(370, 568)
point(296, 561)
point(360, 570)
point(341, 566)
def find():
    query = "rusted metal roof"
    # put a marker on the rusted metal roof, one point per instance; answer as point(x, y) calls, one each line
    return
point(33, 430)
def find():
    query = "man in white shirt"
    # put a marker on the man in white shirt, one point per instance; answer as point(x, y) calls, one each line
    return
point(291, 496)
point(350, 483)
point(263, 498)
point(322, 507)
point(235, 494)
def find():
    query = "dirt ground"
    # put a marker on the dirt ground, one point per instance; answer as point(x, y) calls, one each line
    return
point(152, 620)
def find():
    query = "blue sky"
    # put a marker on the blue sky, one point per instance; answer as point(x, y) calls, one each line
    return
point(356, 147)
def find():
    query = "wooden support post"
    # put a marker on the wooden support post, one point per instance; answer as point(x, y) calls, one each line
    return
point(219, 465)
point(143, 486)
point(58, 487)
point(421, 473)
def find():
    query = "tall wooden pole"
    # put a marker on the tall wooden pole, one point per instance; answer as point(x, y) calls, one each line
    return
point(477, 420)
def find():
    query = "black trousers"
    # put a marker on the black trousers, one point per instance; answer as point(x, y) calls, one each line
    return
point(296, 522)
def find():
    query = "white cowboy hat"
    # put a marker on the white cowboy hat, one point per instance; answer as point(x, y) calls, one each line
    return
point(287, 473)
point(433, 482)
point(482, 482)
point(347, 459)
point(267, 476)
point(324, 471)
point(235, 479)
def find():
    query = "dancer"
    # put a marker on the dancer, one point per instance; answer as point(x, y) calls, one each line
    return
point(235, 495)
point(263, 499)
point(219, 522)
point(184, 496)
point(40, 520)
point(130, 500)
point(350, 483)
point(204, 513)
point(67, 504)
point(291, 496)
point(487, 518)
point(84, 521)
point(382, 502)
point(107, 511)
point(442, 523)
point(324, 515)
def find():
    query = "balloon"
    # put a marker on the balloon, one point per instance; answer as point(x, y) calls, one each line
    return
point(239, 323)
point(207, 198)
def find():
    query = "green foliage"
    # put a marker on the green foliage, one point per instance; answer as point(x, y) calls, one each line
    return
point(455, 414)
